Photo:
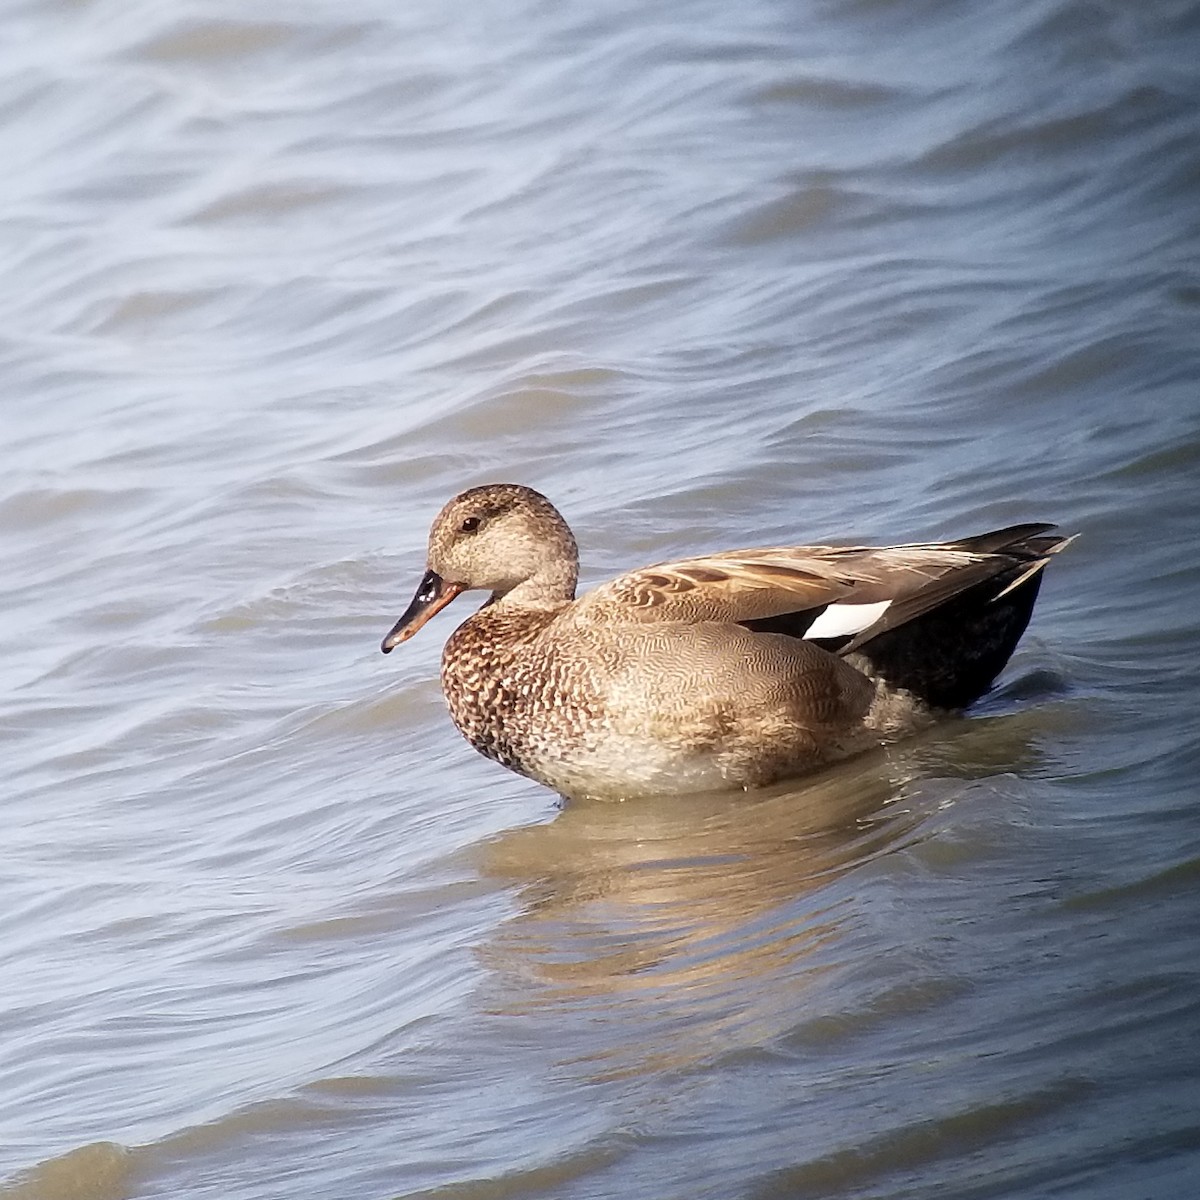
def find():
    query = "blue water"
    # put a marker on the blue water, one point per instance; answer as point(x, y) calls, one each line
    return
point(275, 287)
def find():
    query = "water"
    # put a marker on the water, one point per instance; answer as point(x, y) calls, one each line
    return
point(708, 275)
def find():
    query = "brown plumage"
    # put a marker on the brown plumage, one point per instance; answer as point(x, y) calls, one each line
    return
point(727, 670)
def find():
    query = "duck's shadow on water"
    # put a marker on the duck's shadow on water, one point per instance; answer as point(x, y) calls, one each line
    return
point(664, 930)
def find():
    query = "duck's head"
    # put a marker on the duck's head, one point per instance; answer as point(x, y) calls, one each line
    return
point(503, 538)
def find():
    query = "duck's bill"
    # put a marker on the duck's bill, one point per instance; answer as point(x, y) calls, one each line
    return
point(433, 594)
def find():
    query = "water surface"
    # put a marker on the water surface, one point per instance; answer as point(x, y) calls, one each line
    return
point(273, 288)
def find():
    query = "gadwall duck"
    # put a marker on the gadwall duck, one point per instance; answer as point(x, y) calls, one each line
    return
point(730, 670)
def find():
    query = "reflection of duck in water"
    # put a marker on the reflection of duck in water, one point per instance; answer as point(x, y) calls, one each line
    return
point(724, 671)
point(671, 929)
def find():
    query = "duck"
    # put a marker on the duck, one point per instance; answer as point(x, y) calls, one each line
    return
point(726, 671)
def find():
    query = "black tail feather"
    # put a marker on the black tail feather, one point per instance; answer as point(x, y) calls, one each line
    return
point(949, 656)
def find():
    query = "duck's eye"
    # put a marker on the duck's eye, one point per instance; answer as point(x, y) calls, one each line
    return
point(469, 525)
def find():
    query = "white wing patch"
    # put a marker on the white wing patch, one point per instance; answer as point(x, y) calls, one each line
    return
point(842, 620)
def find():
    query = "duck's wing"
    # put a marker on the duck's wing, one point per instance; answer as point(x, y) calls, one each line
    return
point(738, 586)
point(839, 594)
point(922, 579)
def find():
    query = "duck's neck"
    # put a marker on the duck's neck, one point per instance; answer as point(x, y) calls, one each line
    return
point(549, 589)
